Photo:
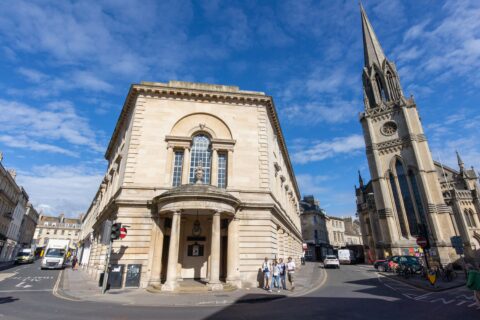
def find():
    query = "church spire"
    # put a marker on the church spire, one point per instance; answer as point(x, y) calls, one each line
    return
point(373, 52)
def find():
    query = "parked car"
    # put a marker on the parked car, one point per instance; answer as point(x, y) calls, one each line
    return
point(378, 262)
point(25, 256)
point(346, 256)
point(391, 263)
point(331, 261)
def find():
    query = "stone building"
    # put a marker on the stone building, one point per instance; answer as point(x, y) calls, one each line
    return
point(201, 175)
point(409, 194)
point(314, 229)
point(28, 226)
point(10, 251)
point(353, 234)
point(50, 227)
point(336, 232)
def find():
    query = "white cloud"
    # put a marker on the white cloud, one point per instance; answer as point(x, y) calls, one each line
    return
point(34, 128)
point(32, 75)
point(23, 142)
point(312, 113)
point(320, 150)
point(312, 184)
point(55, 189)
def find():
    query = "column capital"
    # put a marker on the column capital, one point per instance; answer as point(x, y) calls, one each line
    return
point(217, 212)
point(177, 212)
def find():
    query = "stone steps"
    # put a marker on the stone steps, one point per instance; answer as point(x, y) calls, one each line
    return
point(190, 288)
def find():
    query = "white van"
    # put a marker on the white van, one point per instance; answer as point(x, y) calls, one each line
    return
point(346, 256)
point(55, 256)
point(25, 256)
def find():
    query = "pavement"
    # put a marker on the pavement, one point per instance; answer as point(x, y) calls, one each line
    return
point(422, 283)
point(351, 292)
point(77, 285)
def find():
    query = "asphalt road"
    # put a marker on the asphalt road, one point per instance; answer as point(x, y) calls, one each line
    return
point(353, 292)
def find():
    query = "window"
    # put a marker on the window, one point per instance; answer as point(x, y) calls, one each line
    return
point(381, 90)
point(316, 234)
point(472, 216)
point(407, 199)
point(177, 168)
point(315, 219)
point(467, 218)
point(392, 85)
point(201, 154)
point(222, 170)
point(418, 198)
point(396, 199)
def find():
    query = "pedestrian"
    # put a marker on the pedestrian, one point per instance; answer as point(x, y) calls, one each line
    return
point(283, 274)
point(291, 272)
point(266, 274)
point(74, 263)
point(276, 275)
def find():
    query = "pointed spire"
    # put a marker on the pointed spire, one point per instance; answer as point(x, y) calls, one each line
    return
point(460, 162)
point(360, 179)
point(371, 46)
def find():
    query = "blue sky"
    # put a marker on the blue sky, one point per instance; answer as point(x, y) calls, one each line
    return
point(67, 66)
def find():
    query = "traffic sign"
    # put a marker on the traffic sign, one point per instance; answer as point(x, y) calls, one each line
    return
point(422, 241)
point(123, 232)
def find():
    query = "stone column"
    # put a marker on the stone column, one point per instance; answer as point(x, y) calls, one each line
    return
point(171, 282)
point(157, 252)
point(169, 166)
point(214, 283)
point(233, 274)
point(230, 175)
point(214, 173)
point(186, 166)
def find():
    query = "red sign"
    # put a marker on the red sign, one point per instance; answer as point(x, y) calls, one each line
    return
point(123, 232)
point(422, 242)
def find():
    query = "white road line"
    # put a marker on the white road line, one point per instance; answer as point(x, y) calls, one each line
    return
point(26, 290)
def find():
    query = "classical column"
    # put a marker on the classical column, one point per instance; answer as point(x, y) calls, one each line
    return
point(157, 252)
point(233, 274)
point(214, 173)
point(230, 175)
point(214, 283)
point(169, 165)
point(171, 282)
point(186, 166)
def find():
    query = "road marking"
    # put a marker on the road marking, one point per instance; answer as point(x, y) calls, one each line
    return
point(26, 290)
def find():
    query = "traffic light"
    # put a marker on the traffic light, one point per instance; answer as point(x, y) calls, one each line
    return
point(115, 233)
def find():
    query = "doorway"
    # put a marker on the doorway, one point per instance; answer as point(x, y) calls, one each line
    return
point(166, 246)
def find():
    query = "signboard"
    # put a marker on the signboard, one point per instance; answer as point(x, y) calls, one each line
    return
point(457, 243)
point(115, 276)
point(133, 275)
point(123, 232)
point(422, 242)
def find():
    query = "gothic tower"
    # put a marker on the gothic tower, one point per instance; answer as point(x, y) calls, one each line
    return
point(408, 196)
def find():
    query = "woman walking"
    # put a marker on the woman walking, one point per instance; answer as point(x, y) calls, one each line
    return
point(276, 275)
point(266, 274)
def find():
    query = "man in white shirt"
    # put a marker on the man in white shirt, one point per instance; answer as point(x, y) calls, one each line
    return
point(291, 272)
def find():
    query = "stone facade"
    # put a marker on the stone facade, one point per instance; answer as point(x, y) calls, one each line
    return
point(28, 226)
point(336, 231)
point(50, 227)
point(408, 195)
point(201, 175)
point(314, 229)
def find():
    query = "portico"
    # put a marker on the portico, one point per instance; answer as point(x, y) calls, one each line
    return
point(199, 224)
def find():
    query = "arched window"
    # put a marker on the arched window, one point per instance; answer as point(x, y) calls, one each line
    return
point(392, 85)
point(407, 198)
point(467, 218)
point(418, 197)
point(396, 199)
point(381, 89)
point(369, 92)
point(201, 155)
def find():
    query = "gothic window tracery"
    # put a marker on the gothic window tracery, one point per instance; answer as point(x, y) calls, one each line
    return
point(381, 89)
point(407, 198)
point(396, 199)
point(389, 128)
point(392, 85)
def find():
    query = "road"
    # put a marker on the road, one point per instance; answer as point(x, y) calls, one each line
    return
point(353, 292)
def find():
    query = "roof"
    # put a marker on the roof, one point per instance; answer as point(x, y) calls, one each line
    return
point(372, 50)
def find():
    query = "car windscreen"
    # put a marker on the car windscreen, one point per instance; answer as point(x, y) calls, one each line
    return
point(330, 257)
point(55, 253)
point(23, 254)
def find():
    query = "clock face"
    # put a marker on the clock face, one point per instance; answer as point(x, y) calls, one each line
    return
point(389, 128)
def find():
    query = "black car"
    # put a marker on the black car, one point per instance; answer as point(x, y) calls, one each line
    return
point(393, 261)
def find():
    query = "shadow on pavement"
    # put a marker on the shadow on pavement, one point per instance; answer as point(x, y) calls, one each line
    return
point(7, 299)
point(338, 308)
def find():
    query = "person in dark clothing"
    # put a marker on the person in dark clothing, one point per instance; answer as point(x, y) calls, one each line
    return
point(74, 263)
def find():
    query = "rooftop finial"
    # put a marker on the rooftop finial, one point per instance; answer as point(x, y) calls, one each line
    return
point(360, 179)
point(460, 162)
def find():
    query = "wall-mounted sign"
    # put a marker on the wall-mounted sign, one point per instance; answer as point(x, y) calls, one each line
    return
point(195, 250)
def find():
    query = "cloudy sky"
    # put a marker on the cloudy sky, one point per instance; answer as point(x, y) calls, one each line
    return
point(67, 66)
